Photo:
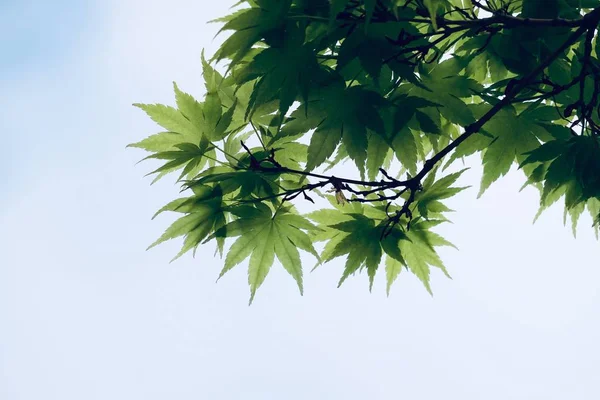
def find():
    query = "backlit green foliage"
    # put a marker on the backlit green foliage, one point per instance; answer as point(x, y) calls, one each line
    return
point(398, 88)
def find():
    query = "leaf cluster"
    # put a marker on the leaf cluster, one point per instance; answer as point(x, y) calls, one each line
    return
point(396, 88)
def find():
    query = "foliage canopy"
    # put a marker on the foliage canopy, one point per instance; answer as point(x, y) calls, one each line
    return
point(401, 89)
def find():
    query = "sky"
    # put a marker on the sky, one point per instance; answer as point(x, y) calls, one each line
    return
point(87, 313)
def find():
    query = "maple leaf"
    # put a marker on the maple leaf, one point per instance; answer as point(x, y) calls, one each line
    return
point(558, 162)
point(251, 25)
point(264, 235)
point(443, 86)
point(361, 244)
point(281, 72)
point(419, 250)
point(514, 136)
point(204, 213)
point(350, 113)
point(428, 200)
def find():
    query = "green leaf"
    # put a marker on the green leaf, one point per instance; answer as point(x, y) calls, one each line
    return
point(172, 120)
point(514, 138)
point(190, 108)
point(264, 236)
point(185, 224)
point(219, 131)
point(432, 7)
point(362, 245)
point(369, 9)
point(429, 199)
point(322, 144)
point(188, 153)
point(289, 257)
point(336, 7)
point(354, 139)
point(300, 121)
point(426, 123)
point(350, 112)
point(442, 87)
point(163, 141)
point(419, 252)
point(282, 72)
point(546, 152)
point(250, 26)
point(393, 268)
point(261, 259)
point(293, 227)
point(240, 250)
point(194, 237)
point(474, 143)
point(405, 148)
point(212, 108)
point(202, 194)
point(377, 151)
point(328, 217)
point(179, 228)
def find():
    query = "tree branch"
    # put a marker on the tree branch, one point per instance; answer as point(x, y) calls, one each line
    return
point(586, 24)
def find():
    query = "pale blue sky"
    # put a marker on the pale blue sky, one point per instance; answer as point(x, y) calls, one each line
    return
point(86, 313)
